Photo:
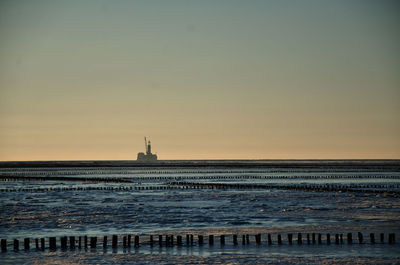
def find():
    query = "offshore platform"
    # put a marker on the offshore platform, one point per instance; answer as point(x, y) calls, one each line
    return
point(148, 157)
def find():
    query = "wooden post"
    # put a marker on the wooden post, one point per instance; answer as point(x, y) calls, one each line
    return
point(16, 245)
point(71, 242)
point(308, 239)
point(124, 241)
point(290, 238)
point(235, 241)
point(279, 239)
point(222, 240)
point(247, 239)
point(93, 242)
point(80, 242)
point(313, 238)
point(392, 238)
point(114, 241)
point(85, 240)
point(211, 240)
point(187, 240)
point(382, 238)
point(341, 238)
point(129, 240)
point(42, 244)
point(52, 243)
point(258, 239)
point(191, 239)
point(360, 238)
point(179, 240)
point(372, 238)
point(243, 239)
point(299, 239)
point(26, 243)
point(328, 239)
point(3, 245)
point(160, 240)
point(201, 240)
point(63, 241)
point(151, 241)
point(37, 243)
point(337, 239)
point(349, 238)
point(269, 239)
point(137, 244)
point(319, 238)
point(105, 242)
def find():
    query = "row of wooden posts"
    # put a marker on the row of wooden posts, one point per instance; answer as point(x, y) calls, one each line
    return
point(168, 241)
point(31, 176)
point(376, 189)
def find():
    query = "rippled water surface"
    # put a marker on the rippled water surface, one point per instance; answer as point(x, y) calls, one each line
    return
point(41, 212)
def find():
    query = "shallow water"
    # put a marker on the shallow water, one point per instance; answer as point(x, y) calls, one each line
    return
point(38, 214)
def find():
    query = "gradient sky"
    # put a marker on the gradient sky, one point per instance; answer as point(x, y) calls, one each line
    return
point(203, 79)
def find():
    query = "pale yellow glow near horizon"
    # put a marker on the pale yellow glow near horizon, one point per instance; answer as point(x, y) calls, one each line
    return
point(204, 80)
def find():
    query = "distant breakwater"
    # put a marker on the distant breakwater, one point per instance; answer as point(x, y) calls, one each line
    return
point(189, 240)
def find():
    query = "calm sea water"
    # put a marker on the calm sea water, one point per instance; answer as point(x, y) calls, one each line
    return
point(43, 213)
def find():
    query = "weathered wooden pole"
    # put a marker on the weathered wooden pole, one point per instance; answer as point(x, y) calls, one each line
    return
point(258, 239)
point(279, 239)
point(85, 240)
point(72, 242)
point(37, 243)
point(52, 243)
point(179, 240)
point(80, 242)
point(26, 243)
point(63, 241)
point(222, 240)
point(308, 239)
point(129, 240)
point(151, 241)
point(328, 238)
point(3, 245)
point(360, 238)
point(93, 242)
point(201, 240)
point(211, 240)
point(349, 238)
point(137, 243)
point(290, 236)
point(319, 238)
point(243, 239)
point(313, 238)
point(269, 239)
point(337, 239)
point(299, 239)
point(247, 239)
point(191, 239)
point(382, 236)
point(105, 242)
point(114, 241)
point(16, 245)
point(372, 238)
point(160, 240)
point(235, 241)
point(42, 244)
point(124, 241)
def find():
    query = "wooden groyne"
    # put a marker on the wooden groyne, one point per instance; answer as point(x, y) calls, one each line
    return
point(172, 240)
point(387, 189)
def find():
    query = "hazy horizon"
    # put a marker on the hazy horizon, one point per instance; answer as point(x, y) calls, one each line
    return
point(87, 80)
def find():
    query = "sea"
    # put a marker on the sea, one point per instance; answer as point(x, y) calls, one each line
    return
point(221, 198)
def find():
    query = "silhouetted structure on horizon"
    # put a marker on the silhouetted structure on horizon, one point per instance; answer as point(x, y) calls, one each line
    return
point(148, 157)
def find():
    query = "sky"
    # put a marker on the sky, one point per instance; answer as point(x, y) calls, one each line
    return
point(311, 79)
